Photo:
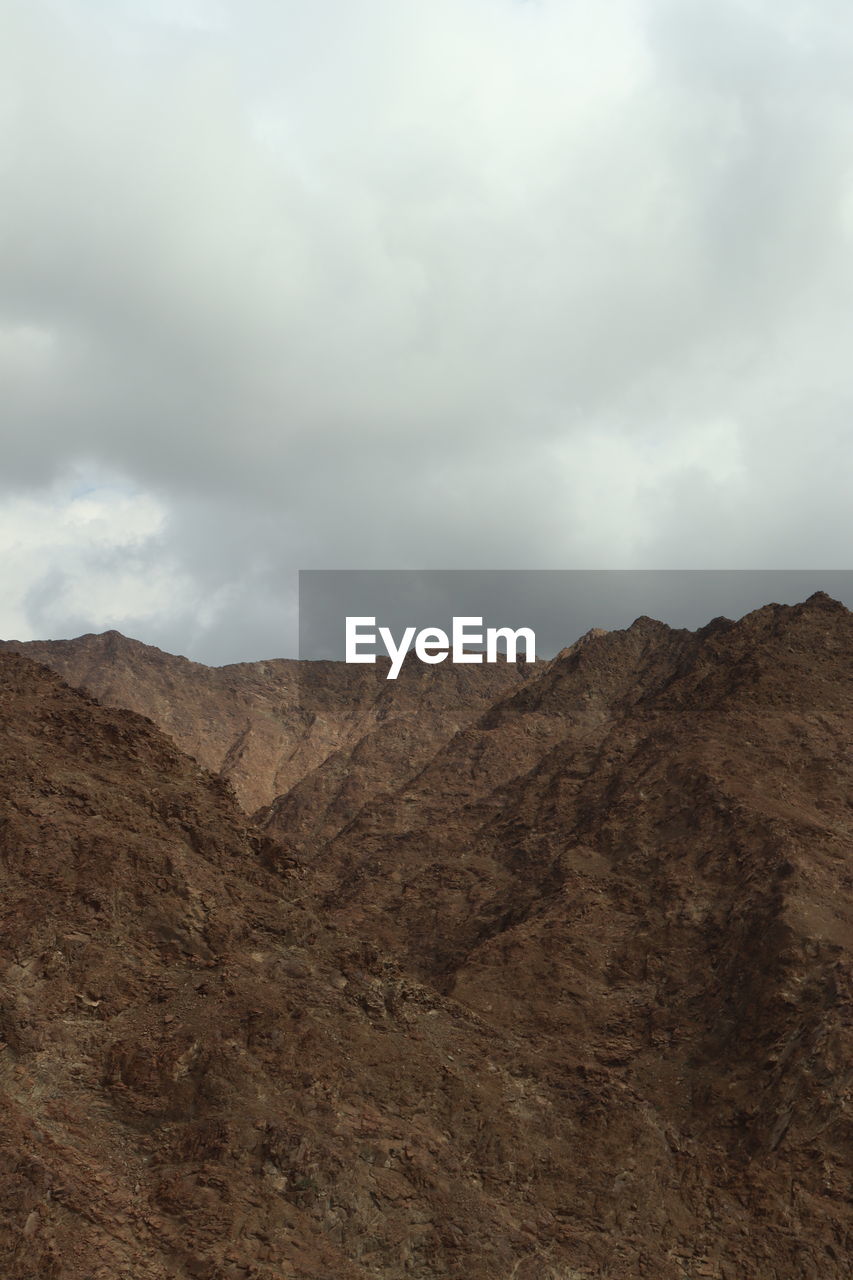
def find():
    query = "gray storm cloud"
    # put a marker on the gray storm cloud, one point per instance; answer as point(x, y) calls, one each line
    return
point(468, 284)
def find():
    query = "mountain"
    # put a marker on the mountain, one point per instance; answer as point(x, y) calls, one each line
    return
point(559, 988)
point(198, 1076)
point(265, 725)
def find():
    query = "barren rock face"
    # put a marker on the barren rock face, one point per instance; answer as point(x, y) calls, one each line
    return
point(265, 725)
point(537, 973)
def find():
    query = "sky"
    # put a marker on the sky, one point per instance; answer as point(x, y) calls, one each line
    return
point(387, 284)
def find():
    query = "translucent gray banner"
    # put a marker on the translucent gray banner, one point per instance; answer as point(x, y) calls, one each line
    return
point(559, 605)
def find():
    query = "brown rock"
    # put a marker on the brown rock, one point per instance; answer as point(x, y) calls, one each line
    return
point(568, 995)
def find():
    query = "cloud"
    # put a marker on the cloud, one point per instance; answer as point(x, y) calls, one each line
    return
point(81, 550)
point(476, 283)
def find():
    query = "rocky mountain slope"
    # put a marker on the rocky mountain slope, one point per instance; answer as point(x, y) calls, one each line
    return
point(266, 725)
point(561, 989)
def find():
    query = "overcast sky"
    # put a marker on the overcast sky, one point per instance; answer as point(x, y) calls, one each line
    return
point(414, 283)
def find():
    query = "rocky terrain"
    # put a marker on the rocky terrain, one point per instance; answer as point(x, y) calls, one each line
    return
point(510, 973)
point(266, 725)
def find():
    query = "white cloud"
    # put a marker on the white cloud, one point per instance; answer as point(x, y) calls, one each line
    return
point(83, 550)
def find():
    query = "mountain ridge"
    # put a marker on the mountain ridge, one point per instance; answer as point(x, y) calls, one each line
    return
point(564, 993)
